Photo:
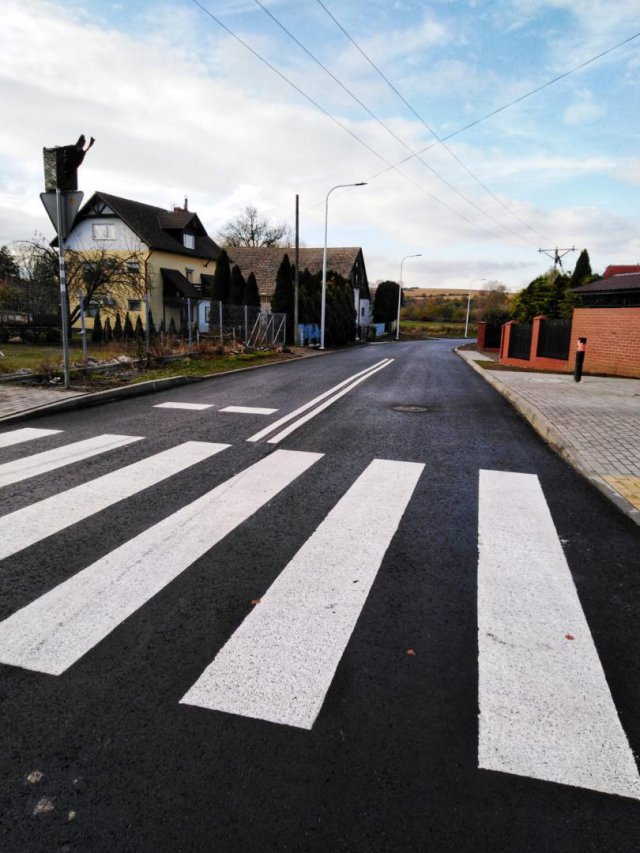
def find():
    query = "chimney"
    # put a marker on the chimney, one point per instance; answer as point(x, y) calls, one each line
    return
point(186, 203)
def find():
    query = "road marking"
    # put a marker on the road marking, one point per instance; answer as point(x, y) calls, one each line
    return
point(248, 410)
point(24, 527)
point(280, 663)
point(18, 436)
point(57, 629)
point(303, 420)
point(50, 460)
point(274, 426)
point(196, 407)
point(545, 707)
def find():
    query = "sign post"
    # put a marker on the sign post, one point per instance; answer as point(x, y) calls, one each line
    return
point(62, 201)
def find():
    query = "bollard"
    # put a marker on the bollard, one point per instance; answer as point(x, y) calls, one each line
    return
point(577, 372)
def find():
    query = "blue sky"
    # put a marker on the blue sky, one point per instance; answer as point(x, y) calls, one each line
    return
point(180, 108)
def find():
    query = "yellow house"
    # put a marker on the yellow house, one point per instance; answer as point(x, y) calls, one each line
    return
point(167, 255)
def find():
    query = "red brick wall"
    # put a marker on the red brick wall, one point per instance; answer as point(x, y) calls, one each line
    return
point(613, 343)
point(613, 340)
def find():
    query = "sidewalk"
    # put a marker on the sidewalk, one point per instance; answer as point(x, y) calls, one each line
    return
point(593, 424)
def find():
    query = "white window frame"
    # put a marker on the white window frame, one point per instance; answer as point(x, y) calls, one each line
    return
point(189, 241)
point(103, 231)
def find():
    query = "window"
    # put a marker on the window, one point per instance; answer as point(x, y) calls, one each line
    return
point(207, 315)
point(189, 241)
point(133, 267)
point(102, 231)
point(188, 274)
point(134, 305)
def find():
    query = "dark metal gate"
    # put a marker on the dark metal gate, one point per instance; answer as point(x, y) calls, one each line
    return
point(520, 341)
point(554, 340)
point(492, 335)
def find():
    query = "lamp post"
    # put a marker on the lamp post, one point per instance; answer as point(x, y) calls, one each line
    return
point(466, 325)
point(400, 294)
point(324, 257)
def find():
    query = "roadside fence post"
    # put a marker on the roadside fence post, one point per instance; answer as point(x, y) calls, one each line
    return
point(582, 345)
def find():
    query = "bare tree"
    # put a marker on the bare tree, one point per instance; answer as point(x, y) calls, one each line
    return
point(250, 228)
point(105, 278)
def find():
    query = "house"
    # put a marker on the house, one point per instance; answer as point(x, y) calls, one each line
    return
point(264, 262)
point(170, 250)
point(618, 288)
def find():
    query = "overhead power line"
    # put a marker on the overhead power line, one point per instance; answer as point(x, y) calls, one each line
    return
point(390, 166)
point(395, 136)
point(426, 124)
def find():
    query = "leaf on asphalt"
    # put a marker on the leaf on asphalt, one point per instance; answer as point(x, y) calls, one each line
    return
point(569, 636)
point(255, 601)
point(43, 806)
point(411, 652)
point(35, 777)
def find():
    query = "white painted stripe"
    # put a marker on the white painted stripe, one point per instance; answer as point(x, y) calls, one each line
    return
point(545, 707)
point(50, 460)
point(325, 405)
point(26, 526)
point(284, 420)
point(57, 629)
point(280, 663)
point(18, 436)
point(248, 410)
point(196, 407)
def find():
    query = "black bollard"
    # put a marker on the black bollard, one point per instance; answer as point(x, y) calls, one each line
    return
point(582, 345)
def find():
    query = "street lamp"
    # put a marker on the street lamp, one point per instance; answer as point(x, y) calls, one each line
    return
point(466, 325)
point(324, 256)
point(400, 294)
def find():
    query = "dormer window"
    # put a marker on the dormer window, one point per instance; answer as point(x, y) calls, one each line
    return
point(189, 241)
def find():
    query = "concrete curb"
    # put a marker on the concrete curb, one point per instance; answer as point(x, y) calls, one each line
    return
point(553, 437)
point(97, 398)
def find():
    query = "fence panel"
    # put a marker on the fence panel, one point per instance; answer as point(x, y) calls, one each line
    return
point(520, 341)
point(492, 335)
point(554, 340)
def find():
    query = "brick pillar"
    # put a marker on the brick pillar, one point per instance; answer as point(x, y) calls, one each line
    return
point(505, 338)
point(535, 335)
point(482, 330)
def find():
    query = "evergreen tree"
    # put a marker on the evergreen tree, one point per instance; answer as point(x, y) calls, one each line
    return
point(107, 333)
point(8, 265)
point(221, 279)
point(139, 330)
point(283, 296)
point(251, 293)
point(117, 329)
point(96, 332)
point(127, 330)
point(237, 287)
point(582, 269)
point(172, 327)
point(152, 328)
point(385, 302)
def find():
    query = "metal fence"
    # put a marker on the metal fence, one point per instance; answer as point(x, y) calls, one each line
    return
point(520, 341)
point(554, 340)
point(492, 335)
point(31, 340)
point(244, 324)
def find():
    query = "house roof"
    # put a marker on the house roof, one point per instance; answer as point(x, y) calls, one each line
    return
point(620, 270)
point(175, 279)
point(611, 284)
point(264, 262)
point(157, 228)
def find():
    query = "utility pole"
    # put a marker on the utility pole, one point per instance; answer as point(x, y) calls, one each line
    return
point(296, 282)
point(557, 255)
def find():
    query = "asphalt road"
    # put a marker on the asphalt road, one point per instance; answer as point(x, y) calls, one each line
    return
point(274, 645)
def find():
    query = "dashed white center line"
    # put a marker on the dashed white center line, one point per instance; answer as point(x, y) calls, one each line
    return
point(248, 410)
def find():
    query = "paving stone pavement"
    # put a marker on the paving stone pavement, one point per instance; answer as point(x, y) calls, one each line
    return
point(17, 399)
point(594, 424)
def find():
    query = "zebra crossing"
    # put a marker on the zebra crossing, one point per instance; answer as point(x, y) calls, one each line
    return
point(545, 709)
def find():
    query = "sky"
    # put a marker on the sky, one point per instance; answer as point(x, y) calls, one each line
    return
point(409, 100)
